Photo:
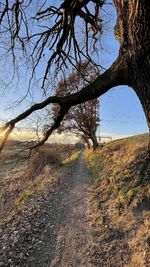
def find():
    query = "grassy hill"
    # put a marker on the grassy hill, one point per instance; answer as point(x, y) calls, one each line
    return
point(120, 202)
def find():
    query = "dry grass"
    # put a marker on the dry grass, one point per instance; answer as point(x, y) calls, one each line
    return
point(13, 160)
point(121, 201)
point(22, 177)
point(71, 158)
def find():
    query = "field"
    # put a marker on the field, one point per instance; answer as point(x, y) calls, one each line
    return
point(13, 159)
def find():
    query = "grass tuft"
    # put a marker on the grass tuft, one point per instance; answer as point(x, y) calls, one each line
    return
point(72, 158)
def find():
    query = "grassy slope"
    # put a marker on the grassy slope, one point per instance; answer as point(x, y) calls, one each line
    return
point(121, 203)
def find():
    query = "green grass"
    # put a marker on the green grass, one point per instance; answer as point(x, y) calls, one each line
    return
point(24, 196)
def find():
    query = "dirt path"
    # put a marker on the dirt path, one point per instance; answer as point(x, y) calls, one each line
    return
point(69, 242)
point(73, 237)
point(56, 233)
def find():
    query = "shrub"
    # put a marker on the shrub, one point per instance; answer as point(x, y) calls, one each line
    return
point(42, 158)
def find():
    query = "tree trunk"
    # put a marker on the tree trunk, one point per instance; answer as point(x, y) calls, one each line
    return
point(88, 144)
point(86, 140)
point(133, 32)
point(94, 141)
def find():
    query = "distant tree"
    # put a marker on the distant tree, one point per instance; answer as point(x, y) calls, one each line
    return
point(84, 119)
point(81, 119)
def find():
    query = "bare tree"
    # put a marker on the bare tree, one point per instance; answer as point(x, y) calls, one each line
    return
point(61, 42)
point(81, 119)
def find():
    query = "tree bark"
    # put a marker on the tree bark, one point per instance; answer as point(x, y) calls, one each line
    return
point(94, 140)
point(88, 144)
point(133, 32)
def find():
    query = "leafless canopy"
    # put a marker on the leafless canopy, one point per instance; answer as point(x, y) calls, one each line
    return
point(51, 32)
point(82, 119)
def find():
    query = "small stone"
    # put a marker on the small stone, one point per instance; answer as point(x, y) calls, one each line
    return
point(21, 255)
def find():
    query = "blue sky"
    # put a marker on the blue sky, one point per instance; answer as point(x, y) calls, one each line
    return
point(121, 113)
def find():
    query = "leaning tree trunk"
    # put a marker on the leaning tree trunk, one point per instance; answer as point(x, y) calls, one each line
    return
point(133, 32)
point(94, 141)
point(88, 144)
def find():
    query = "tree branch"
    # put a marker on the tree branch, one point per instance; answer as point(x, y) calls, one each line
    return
point(8, 132)
point(55, 125)
point(114, 76)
